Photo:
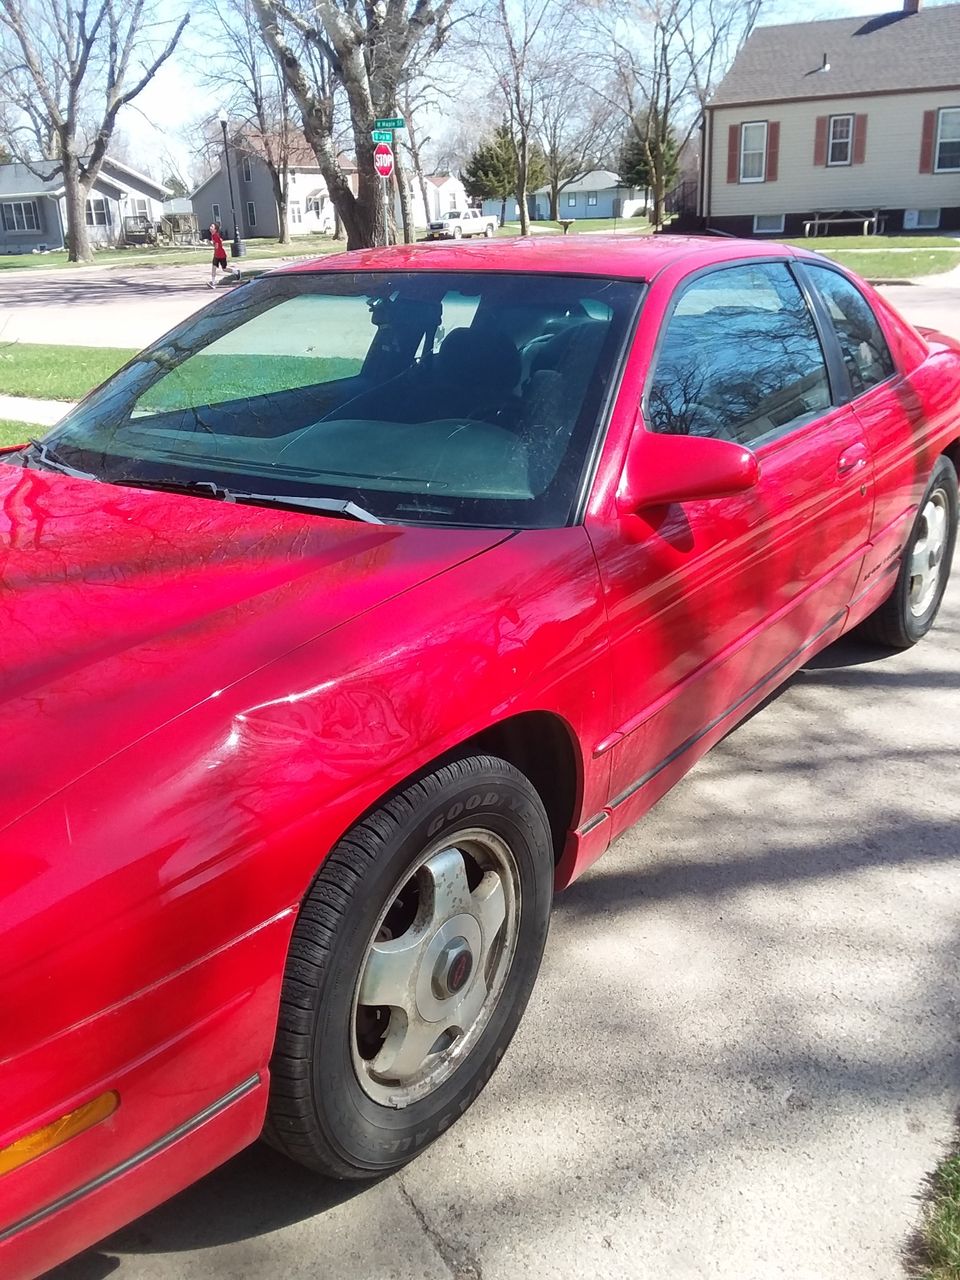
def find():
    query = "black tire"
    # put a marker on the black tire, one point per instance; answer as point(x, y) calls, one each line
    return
point(488, 232)
point(458, 233)
point(320, 1112)
point(895, 624)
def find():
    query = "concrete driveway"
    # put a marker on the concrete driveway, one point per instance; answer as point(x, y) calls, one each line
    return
point(742, 1056)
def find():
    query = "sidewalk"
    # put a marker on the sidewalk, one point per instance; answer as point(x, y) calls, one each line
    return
point(42, 413)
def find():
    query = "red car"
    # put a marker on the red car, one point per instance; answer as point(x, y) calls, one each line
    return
point(360, 613)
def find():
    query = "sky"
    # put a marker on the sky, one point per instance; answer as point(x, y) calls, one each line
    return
point(162, 119)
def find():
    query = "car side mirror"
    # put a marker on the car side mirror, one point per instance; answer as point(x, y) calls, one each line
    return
point(661, 469)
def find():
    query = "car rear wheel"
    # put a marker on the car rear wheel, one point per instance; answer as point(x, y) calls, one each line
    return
point(488, 232)
point(411, 963)
point(909, 613)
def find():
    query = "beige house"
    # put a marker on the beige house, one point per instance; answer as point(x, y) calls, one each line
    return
point(858, 118)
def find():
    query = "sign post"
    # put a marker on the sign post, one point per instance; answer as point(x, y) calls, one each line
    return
point(383, 163)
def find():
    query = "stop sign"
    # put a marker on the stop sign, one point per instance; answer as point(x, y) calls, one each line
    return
point(383, 159)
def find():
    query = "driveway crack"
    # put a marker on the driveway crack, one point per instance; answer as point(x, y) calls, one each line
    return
point(460, 1265)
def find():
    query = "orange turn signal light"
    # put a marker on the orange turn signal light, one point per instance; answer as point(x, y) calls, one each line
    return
point(58, 1132)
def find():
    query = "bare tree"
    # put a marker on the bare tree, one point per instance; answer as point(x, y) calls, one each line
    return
point(93, 58)
point(574, 129)
point(517, 40)
point(659, 61)
point(367, 49)
point(256, 95)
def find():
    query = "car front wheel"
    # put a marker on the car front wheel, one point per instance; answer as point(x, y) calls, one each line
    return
point(457, 232)
point(909, 613)
point(411, 963)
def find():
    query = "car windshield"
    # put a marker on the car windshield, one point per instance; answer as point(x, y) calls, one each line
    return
point(454, 214)
point(467, 399)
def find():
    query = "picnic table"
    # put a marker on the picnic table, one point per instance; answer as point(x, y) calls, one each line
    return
point(870, 222)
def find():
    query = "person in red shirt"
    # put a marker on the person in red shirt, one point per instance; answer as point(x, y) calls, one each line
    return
point(219, 255)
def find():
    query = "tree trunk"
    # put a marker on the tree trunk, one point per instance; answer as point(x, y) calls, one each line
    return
point(414, 148)
point(75, 201)
point(554, 202)
point(522, 167)
point(281, 189)
point(503, 211)
point(406, 211)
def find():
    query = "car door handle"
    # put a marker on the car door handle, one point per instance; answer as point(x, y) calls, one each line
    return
point(853, 458)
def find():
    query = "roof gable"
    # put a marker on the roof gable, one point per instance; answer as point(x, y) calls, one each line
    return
point(887, 53)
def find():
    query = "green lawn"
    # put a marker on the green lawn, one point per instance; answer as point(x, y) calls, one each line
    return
point(895, 266)
point(56, 373)
point(936, 1251)
point(17, 432)
point(302, 247)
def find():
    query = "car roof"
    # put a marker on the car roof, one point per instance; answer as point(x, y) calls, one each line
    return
point(632, 257)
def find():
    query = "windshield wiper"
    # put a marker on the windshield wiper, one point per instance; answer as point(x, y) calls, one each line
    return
point(305, 502)
point(332, 506)
point(50, 459)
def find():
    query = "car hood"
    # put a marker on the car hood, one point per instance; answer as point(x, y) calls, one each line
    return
point(123, 608)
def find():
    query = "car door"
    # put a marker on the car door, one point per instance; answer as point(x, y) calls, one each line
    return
point(899, 415)
point(712, 601)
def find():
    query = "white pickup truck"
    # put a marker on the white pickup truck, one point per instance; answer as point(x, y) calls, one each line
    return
point(458, 223)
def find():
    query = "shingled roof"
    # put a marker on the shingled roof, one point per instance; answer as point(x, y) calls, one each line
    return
point(887, 53)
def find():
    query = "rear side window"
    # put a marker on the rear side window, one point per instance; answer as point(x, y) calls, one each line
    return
point(865, 350)
point(739, 358)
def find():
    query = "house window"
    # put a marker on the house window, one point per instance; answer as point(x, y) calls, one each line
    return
point(948, 140)
point(572, 201)
point(921, 219)
point(216, 213)
point(753, 151)
point(770, 224)
point(247, 176)
point(251, 214)
point(139, 206)
point(841, 140)
point(453, 202)
point(591, 197)
point(98, 215)
point(21, 215)
point(295, 215)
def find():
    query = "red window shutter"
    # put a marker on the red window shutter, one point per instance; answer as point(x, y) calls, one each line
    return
point(926, 141)
point(773, 150)
point(820, 141)
point(859, 139)
point(733, 154)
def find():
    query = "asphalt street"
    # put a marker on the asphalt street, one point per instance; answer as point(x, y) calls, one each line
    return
point(743, 1055)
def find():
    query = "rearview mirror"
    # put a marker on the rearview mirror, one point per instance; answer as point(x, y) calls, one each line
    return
point(663, 468)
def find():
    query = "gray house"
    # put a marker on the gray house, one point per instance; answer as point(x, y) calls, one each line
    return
point(597, 194)
point(309, 207)
point(33, 211)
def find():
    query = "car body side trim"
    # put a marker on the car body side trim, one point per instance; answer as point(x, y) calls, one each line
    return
point(132, 1162)
point(717, 719)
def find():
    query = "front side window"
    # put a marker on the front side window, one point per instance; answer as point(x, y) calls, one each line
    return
point(739, 358)
point(20, 215)
point(572, 200)
point(591, 197)
point(97, 213)
point(841, 140)
point(948, 140)
point(865, 350)
point(753, 151)
point(433, 397)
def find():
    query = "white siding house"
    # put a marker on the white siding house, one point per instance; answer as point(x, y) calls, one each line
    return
point(854, 117)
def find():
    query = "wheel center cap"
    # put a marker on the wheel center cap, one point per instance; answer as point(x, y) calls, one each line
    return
point(453, 968)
